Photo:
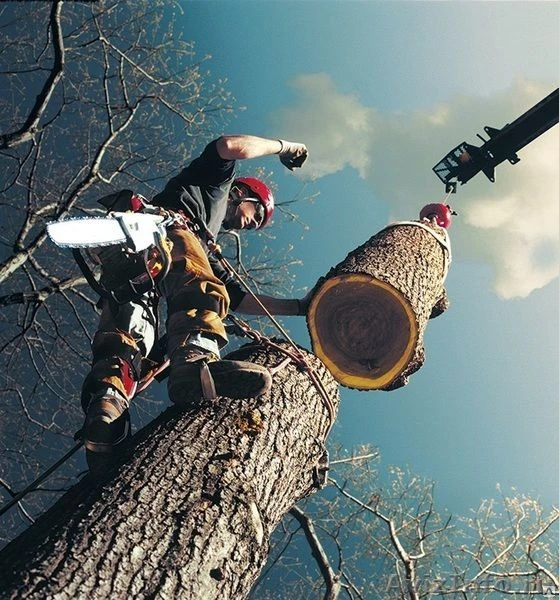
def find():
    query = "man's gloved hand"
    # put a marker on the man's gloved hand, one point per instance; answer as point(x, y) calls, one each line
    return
point(292, 154)
point(303, 303)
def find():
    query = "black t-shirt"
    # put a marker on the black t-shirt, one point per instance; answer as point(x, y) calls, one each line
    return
point(203, 186)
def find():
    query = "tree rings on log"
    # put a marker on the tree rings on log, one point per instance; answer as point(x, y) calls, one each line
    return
point(363, 329)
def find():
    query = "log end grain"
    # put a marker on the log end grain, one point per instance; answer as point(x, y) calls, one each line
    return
point(363, 329)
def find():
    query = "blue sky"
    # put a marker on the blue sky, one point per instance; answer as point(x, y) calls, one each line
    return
point(380, 91)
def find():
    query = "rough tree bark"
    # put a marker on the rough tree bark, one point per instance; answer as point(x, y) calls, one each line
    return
point(189, 511)
point(368, 315)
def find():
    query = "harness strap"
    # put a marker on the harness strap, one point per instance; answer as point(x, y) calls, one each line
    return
point(442, 238)
point(207, 382)
point(280, 367)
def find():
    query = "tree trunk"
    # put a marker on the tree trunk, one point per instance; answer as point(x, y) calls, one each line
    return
point(189, 511)
point(369, 313)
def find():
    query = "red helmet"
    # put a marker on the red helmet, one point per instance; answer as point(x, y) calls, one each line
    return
point(441, 213)
point(263, 194)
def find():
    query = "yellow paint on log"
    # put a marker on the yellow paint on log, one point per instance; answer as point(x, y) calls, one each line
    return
point(363, 329)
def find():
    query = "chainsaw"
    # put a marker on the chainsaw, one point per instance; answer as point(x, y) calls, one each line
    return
point(130, 249)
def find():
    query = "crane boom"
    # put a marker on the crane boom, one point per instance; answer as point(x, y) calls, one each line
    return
point(467, 160)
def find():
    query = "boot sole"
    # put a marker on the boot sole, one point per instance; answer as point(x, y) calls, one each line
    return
point(234, 379)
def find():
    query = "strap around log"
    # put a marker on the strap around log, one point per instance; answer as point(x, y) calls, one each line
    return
point(442, 238)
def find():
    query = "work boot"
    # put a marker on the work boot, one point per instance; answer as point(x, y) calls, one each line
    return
point(106, 394)
point(107, 425)
point(197, 372)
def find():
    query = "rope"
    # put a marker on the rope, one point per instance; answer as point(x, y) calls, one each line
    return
point(142, 385)
point(448, 194)
point(33, 486)
point(215, 249)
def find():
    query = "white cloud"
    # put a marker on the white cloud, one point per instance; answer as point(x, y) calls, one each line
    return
point(337, 128)
point(512, 224)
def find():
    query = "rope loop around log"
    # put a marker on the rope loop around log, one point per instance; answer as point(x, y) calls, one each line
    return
point(443, 240)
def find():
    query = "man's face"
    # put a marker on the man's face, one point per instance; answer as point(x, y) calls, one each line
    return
point(247, 213)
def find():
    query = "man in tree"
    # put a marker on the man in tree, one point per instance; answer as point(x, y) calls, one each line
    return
point(199, 293)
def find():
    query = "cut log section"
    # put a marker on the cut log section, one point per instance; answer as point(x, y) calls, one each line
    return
point(363, 330)
point(368, 315)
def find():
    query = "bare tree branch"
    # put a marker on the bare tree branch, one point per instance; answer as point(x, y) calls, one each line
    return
point(31, 126)
point(43, 294)
point(331, 579)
